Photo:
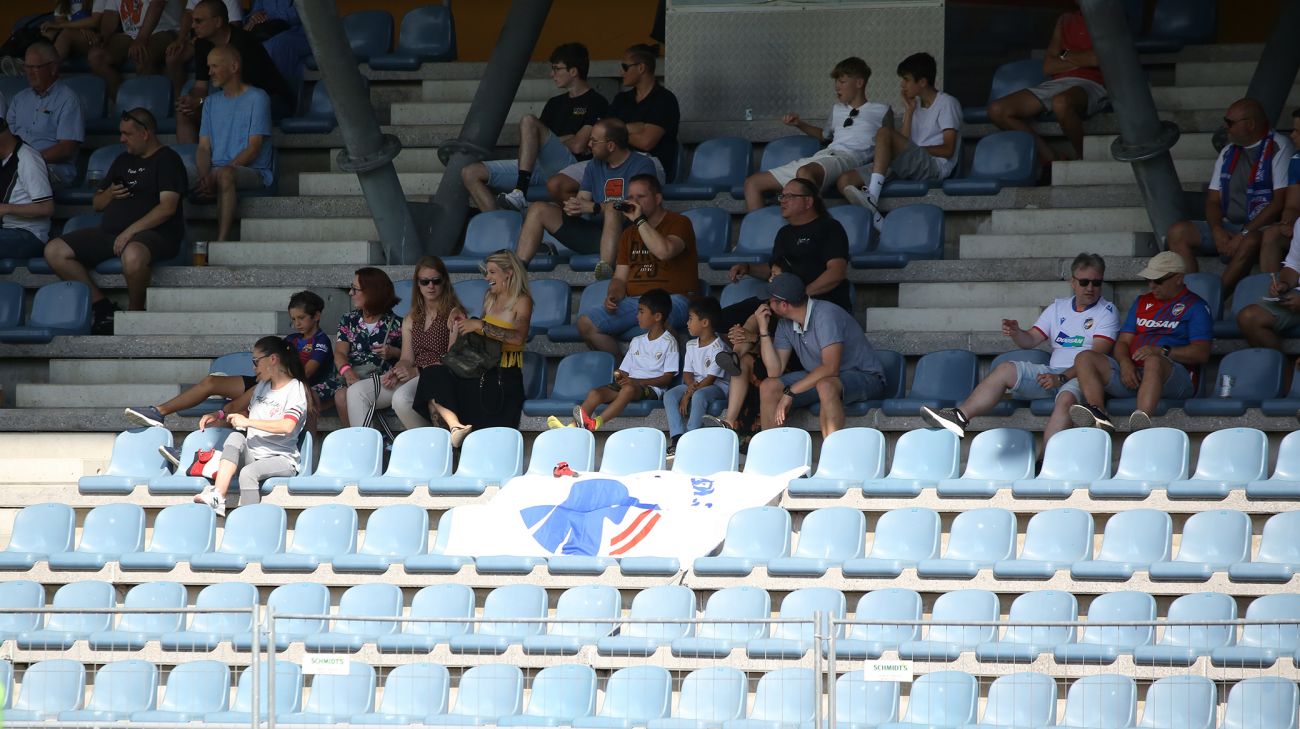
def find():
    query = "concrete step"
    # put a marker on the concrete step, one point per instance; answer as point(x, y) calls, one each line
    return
point(93, 396)
point(1196, 145)
point(237, 299)
point(983, 295)
point(287, 253)
point(298, 229)
point(530, 89)
point(252, 323)
point(1089, 172)
point(410, 159)
point(453, 112)
point(958, 319)
point(1187, 98)
point(1079, 220)
point(1222, 73)
point(16, 447)
point(126, 371)
point(1061, 245)
point(346, 183)
point(34, 471)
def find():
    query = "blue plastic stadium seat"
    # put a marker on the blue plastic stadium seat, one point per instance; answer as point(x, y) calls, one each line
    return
point(1212, 541)
point(1249, 291)
point(437, 561)
point(550, 305)
point(895, 368)
point(667, 602)
point(233, 363)
point(393, 533)
point(780, 151)
point(1072, 459)
point(906, 188)
point(860, 704)
point(1103, 644)
point(178, 483)
point(419, 455)
point(1133, 540)
point(1020, 700)
point(942, 379)
point(717, 166)
point(487, 232)
point(601, 603)
point(576, 374)
point(940, 699)
point(746, 288)
point(11, 303)
point(1150, 459)
point(59, 309)
point(295, 598)
point(778, 450)
point(870, 638)
point(39, 531)
point(208, 630)
point(347, 456)
point(827, 538)
point(1103, 700)
point(1025, 643)
point(135, 629)
point(320, 534)
point(369, 33)
point(91, 92)
point(62, 630)
point(712, 231)
point(1285, 481)
point(910, 233)
point(488, 457)
point(319, 117)
point(1177, 23)
point(1258, 376)
point(997, 458)
point(784, 698)
point(1229, 459)
point(96, 169)
point(707, 451)
point(948, 642)
point(288, 694)
point(194, 688)
point(411, 692)
point(1208, 286)
point(717, 640)
point(1180, 701)
point(857, 226)
point(793, 640)
point(121, 689)
point(428, 34)
point(1007, 406)
point(471, 291)
point(708, 698)
point(251, 533)
point(1285, 406)
point(1260, 645)
point(373, 600)
point(558, 695)
point(76, 222)
point(49, 688)
point(149, 92)
point(576, 446)
point(1007, 79)
point(634, 696)
point(108, 532)
point(633, 450)
point(1054, 540)
point(754, 536)
point(592, 299)
point(135, 460)
point(754, 242)
point(20, 594)
point(485, 695)
point(1266, 702)
point(435, 601)
point(507, 601)
point(1183, 641)
point(1278, 557)
point(903, 537)
point(978, 539)
point(848, 457)
point(922, 458)
point(335, 699)
point(1002, 159)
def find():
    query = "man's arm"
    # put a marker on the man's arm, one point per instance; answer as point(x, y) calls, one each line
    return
point(644, 135)
point(1193, 353)
point(1213, 210)
point(837, 269)
point(168, 202)
point(248, 154)
point(816, 132)
point(617, 290)
point(773, 359)
point(830, 367)
point(1269, 214)
point(43, 209)
point(1122, 354)
point(63, 150)
point(151, 17)
point(660, 246)
point(662, 380)
point(577, 142)
point(947, 147)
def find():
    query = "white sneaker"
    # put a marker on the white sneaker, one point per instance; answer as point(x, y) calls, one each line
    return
point(858, 196)
point(513, 200)
point(213, 499)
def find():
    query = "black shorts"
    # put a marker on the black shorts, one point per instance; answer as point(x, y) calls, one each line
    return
point(249, 382)
point(92, 246)
point(580, 235)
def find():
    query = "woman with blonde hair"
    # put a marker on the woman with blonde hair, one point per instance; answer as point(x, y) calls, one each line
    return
point(497, 397)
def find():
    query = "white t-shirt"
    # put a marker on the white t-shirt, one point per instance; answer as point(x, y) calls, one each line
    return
point(1071, 332)
point(132, 14)
point(289, 402)
point(31, 184)
point(929, 124)
point(233, 9)
point(647, 358)
point(703, 361)
point(860, 136)
point(1281, 165)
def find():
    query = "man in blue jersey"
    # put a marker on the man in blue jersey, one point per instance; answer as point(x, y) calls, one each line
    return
point(1161, 347)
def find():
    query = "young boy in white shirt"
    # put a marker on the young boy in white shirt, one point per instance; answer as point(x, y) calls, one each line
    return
point(703, 380)
point(925, 147)
point(649, 366)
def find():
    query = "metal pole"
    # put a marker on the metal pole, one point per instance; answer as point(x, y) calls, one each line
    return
point(821, 621)
point(487, 115)
point(270, 669)
point(1275, 73)
point(367, 151)
point(830, 685)
point(1144, 141)
point(254, 654)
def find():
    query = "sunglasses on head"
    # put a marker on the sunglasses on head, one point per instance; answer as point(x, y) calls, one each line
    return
point(1089, 281)
point(852, 115)
point(128, 116)
point(430, 281)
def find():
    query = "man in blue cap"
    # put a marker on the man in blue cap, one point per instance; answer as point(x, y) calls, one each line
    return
point(841, 367)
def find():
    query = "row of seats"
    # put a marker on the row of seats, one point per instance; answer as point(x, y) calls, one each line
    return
point(566, 695)
point(59, 309)
point(734, 618)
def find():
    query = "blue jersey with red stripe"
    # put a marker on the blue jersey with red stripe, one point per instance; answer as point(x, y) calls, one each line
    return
point(1174, 323)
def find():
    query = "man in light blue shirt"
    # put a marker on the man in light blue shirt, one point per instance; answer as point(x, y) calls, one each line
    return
point(235, 150)
point(47, 114)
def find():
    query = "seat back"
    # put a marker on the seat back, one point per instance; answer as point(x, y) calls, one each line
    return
point(914, 230)
point(1180, 701)
point(490, 231)
point(712, 230)
point(441, 601)
point(1257, 372)
point(862, 702)
point(91, 92)
point(661, 601)
point(17, 594)
point(563, 692)
point(1138, 535)
point(490, 691)
point(113, 529)
point(943, 698)
point(785, 696)
point(369, 32)
point(602, 603)
point(1266, 702)
point(740, 602)
point(1188, 21)
point(495, 453)
point(149, 92)
point(63, 306)
point(374, 600)
point(397, 530)
point(352, 453)
point(1059, 535)
point(777, 450)
point(197, 687)
point(49, 687)
point(758, 230)
point(712, 695)
point(982, 535)
point(11, 304)
point(99, 162)
point(1249, 290)
point(784, 150)
point(184, 529)
point(804, 604)
point(43, 529)
point(92, 220)
point(254, 530)
point(1209, 287)
point(1008, 157)
point(1195, 607)
point(1082, 455)
point(1103, 701)
point(301, 598)
point(1014, 76)
point(550, 302)
point(707, 451)
point(288, 688)
point(233, 363)
point(948, 374)
point(470, 291)
point(86, 594)
point(1237, 455)
point(1041, 606)
point(125, 686)
point(576, 446)
point(416, 689)
point(908, 534)
point(1155, 454)
point(579, 372)
point(1220, 537)
point(852, 453)
point(428, 32)
point(1021, 699)
point(325, 529)
point(723, 161)
point(513, 601)
point(633, 450)
point(1287, 467)
point(1280, 541)
point(1118, 607)
point(420, 453)
point(135, 453)
point(746, 288)
point(638, 693)
point(1034, 356)
point(833, 533)
point(164, 595)
point(593, 298)
point(857, 226)
point(534, 376)
point(345, 695)
point(1002, 454)
point(929, 454)
point(964, 605)
point(196, 441)
point(239, 596)
point(890, 602)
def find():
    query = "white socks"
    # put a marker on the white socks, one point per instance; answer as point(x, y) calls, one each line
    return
point(874, 186)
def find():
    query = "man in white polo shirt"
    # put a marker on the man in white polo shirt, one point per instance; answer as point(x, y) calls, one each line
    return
point(26, 202)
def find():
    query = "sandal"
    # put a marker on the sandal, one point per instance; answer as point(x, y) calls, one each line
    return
point(713, 421)
point(458, 435)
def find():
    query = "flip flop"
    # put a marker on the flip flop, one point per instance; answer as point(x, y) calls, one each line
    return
point(458, 435)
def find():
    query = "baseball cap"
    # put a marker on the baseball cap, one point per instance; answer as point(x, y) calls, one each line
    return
point(1163, 264)
point(786, 287)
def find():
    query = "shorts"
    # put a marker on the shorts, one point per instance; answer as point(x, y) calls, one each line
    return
point(578, 169)
point(553, 157)
point(835, 162)
point(1046, 91)
point(1177, 387)
point(623, 318)
point(246, 178)
point(647, 392)
point(1283, 317)
point(92, 246)
point(580, 235)
point(20, 243)
point(119, 45)
point(1207, 238)
point(1027, 387)
point(858, 386)
point(249, 382)
point(913, 163)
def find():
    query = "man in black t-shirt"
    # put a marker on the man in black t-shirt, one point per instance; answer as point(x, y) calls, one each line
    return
point(547, 144)
point(143, 218)
point(212, 28)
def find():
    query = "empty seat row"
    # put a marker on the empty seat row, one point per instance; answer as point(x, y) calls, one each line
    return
point(59, 309)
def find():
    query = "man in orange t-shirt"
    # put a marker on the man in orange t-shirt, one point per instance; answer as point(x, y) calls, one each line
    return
point(657, 251)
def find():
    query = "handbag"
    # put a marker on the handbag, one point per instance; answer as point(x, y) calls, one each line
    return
point(205, 464)
point(472, 355)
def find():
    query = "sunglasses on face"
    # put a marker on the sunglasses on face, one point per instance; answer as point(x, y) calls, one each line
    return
point(1162, 279)
point(1085, 282)
point(430, 281)
point(782, 197)
point(852, 115)
point(628, 66)
point(354, 289)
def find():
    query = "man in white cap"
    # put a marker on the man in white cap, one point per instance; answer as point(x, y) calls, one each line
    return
point(1161, 347)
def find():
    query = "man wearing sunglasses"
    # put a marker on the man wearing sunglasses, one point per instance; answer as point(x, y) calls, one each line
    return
point(1161, 347)
point(1084, 322)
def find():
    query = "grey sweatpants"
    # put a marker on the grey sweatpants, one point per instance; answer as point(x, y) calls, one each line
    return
point(253, 472)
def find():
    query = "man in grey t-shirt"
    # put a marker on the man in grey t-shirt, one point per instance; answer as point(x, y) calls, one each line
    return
point(842, 367)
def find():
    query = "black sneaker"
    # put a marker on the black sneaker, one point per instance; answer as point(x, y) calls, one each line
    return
point(671, 453)
point(172, 454)
point(102, 322)
point(950, 419)
point(1087, 416)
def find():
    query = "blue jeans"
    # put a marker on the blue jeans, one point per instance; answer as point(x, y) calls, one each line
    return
point(623, 317)
point(695, 412)
point(19, 243)
point(551, 158)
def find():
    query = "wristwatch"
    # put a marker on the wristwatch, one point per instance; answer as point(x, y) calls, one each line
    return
point(1165, 349)
point(786, 391)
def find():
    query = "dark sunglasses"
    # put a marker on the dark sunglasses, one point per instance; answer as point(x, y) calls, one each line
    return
point(628, 66)
point(852, 115)
point(1089, 281)
point(1162, 279)
point(430, 281)
point(128, 116)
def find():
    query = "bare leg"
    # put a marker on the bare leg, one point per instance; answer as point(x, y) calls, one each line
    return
point(1060, 418)
point(739, 388)
point(227, 197)
point(888, 143)
point(814, 172)
point(831, 393)
point(187, 128)
point(1273, 249)
point(541, 216)
point(611, 230)
point(1241, 261)
point(66, 266)
point(1093, 371)
point(769, 394)
point(1154, 373)
point(1069, 107)
point(626, 394)
point(531, 135)
point(475, 177)
point(137, 272)
point(596, 339)
point(561, 187)
point(341, 406)
point(1256, 325)
point(990, 390)
point(227, 386)
point(1013, 111)
point(756, 186)
point(849, 179)
point(1184, 239)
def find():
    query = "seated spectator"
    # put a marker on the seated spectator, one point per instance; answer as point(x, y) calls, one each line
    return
point(656, 252)
point(276, 25)
point(588, 217)
point(26, 202)
point(1277, 238)
point(703, 380)
point(561, 132)
point(1161, 347)
point(235, 151)
point(1263, 322)
point(1083, 322)
point(265, 442)
point(75, 36)
point(307, 340)
point(840, 365)
point(1075, 92)
point(651, 114)
point(143, 218)
point(648, 367)
point(851, 130)
point(213, 30)
point(369, 341)
point(497, 397)
point(47, 114)
point(927, 147)
point(426, 337)
point(181, 51)
point(147, 28)
point(1243, 197)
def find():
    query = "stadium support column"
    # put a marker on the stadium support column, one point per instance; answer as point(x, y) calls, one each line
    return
point(367, 152)
point(1274, 75)
point(1144, 140)
point(487, 115)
